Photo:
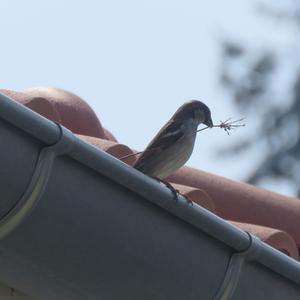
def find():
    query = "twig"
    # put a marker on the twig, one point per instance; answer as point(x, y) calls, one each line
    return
point(227, 125)
point(131, 154)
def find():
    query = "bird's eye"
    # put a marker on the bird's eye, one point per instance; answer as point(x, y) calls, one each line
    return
point(197, 114)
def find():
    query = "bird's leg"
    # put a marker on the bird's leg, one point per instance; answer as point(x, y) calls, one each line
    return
point(173, 190)
point(170, 187)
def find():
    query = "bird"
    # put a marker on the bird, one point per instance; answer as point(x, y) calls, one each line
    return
point(173, 145)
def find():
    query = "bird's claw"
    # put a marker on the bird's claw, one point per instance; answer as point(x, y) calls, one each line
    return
point(189, 201)
point(174, 191)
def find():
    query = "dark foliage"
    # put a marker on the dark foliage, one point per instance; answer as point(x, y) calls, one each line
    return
point(251, 82)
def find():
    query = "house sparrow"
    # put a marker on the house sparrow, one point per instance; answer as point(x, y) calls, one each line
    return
point(174, 143)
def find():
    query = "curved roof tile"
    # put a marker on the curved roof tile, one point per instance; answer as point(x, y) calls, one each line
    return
point(243, 202)
point(113, 148)
point(196, 195)
point(60, 106)
point(278, 239)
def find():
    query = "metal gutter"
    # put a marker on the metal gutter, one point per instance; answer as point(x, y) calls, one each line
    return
point(38, 183)
point(235, 268)
point(70, 161)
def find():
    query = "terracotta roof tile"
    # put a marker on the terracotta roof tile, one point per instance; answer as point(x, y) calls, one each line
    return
point(109, 135)
point(270, 216)
point(242, 202)
point(113, 148)
point(278, 239)
point(197, 195)
point(61, 106)
point(39, 105)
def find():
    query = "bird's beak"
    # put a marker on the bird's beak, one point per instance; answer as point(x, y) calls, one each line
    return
point(208, 122)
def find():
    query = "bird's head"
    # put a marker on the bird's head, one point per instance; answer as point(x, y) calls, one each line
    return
point(195, 110)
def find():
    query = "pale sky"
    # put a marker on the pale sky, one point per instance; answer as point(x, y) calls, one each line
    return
point(134, 62)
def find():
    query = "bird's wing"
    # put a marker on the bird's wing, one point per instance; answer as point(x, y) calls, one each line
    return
point(166, 137)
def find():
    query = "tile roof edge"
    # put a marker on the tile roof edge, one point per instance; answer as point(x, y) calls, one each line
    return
point(148, 188)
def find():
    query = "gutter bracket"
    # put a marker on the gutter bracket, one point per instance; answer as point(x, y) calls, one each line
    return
point(235, 267)
point(38, 182)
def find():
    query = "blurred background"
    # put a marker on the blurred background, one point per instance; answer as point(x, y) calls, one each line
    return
point(136, 61)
